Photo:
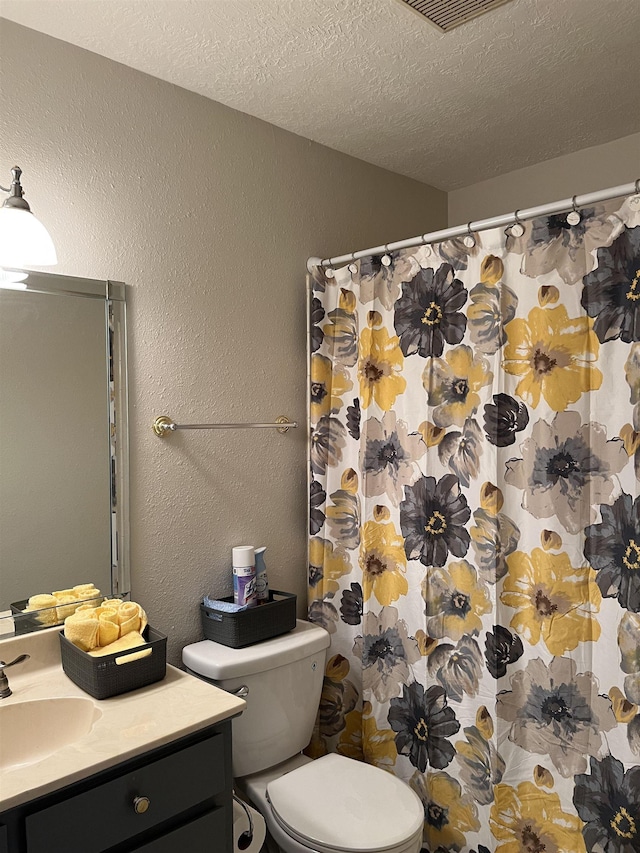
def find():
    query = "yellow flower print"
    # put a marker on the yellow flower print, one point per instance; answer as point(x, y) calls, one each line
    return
point(379, 366)
point(326, 564)
point(554, 600)
point(554, 355)
point(363, 740)
point(327, 387)
point(456, 599)
point(383, 562)
point(527, 819)
point(448, 812)
point(452, 384)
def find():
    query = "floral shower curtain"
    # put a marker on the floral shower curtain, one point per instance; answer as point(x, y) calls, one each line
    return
point(475, 529)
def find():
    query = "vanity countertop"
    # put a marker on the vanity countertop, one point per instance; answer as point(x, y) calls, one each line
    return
point(128, 725)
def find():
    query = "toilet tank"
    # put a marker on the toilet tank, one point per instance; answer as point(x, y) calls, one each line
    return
point(284, 680)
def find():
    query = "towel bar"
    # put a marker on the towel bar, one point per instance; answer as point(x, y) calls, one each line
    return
point(163, 425)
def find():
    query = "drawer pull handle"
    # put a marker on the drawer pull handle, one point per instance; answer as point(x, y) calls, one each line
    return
point(141, 804)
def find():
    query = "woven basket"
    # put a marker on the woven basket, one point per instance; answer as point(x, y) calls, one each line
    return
point(274, 617)
point(102, 677)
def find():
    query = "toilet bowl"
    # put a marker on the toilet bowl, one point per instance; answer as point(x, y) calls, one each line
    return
point(332, 804)
point(336, 805)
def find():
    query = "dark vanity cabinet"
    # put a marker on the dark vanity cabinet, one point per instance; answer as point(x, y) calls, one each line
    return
point(171, 799)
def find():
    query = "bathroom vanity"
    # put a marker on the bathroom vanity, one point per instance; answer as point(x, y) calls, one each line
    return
point(148, 771)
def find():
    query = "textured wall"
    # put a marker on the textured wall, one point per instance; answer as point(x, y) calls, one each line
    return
point(584, 171)
point(209, 216)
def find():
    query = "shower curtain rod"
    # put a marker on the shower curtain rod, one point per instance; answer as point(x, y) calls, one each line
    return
point(483, 224)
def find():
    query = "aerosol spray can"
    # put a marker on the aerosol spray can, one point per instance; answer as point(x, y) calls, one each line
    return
point(262, 582)
point(244, 575)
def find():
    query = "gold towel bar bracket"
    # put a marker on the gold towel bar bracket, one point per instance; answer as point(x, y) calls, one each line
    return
point(163, 425)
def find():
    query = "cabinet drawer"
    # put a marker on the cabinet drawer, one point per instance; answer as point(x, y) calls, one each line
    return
point(104, 816)
point(205, 835)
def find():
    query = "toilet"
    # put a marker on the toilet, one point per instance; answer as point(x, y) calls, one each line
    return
point(331, 804)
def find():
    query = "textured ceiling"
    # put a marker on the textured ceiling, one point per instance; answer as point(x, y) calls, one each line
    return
point(531, 80)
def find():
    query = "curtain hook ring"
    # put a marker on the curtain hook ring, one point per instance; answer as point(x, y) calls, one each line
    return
point(574, 217)
point(469, 239)
point(517, 229)
point(386, 258)
point(353, 269)
point(638, 186)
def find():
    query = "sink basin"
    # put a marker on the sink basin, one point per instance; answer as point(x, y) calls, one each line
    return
point(31, 731)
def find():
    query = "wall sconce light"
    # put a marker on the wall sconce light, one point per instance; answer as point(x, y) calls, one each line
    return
point(24, 241)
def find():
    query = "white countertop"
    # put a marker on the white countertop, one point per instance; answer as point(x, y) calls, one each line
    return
point(128, 725)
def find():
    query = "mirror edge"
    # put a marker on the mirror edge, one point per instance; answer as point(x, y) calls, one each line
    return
point(119, 445)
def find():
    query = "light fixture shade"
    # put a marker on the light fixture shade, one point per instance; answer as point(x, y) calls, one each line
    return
point(24, 241)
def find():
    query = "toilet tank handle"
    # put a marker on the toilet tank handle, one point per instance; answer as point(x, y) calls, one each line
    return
point(241, 692)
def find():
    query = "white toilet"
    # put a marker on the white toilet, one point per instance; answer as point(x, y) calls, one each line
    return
point(331, 805)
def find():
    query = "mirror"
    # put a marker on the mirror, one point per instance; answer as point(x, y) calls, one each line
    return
point(63, 440)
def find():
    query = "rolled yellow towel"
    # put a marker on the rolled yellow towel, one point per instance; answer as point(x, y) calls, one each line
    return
point(129, 641)
point(84, 589)
point(67, 605)
point(62, 592)
point(129, 617)
point(83, 630)
point(113, 602)
point(109, 628)
point(88, 593)
point(47, 604)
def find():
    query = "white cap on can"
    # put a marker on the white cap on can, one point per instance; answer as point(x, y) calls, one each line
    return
point(243, 556)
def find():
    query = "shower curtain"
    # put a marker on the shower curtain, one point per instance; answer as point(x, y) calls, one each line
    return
point(475, 528)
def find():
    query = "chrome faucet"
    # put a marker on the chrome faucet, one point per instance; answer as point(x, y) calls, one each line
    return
point(5, 690)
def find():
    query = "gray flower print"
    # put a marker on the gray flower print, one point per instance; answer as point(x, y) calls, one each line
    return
point(386, 652)
point(566, 468)
point(457, 668)
point(558, 712)
point(388, 456)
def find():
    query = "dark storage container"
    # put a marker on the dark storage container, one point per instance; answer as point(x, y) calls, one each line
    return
point(253, 625)
point(102, 677)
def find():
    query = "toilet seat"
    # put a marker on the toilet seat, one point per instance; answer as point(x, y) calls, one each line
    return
point(336, 803)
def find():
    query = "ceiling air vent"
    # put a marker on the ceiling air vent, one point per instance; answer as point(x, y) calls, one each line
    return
point(448, 14)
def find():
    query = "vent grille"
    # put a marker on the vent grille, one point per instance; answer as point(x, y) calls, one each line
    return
point(446, 15)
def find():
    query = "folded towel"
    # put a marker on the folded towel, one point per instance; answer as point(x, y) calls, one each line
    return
point(113, 602)
point(224, 606)
point(85, 590)
point(109, 629)
point(57, 593)
point(83, 630)
point(70, 605)
point(129, 641)
point(93, 627)
point(129, 617)
point(88, 593)
point(47, 604)
point(87, 608)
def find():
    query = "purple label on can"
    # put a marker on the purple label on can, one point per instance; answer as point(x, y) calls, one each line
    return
point(244, 589)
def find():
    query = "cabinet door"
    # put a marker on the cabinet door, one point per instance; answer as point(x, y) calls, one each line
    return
point(106, 815)
point(204, 835)
point(4, 839)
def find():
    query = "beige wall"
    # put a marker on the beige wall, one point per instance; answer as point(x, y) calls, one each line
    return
point(209, 216)
point(584, 171)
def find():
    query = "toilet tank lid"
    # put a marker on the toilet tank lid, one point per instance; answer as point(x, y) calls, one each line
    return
point(219, 662)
